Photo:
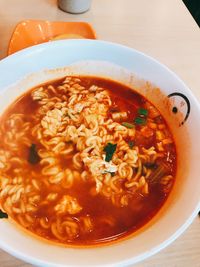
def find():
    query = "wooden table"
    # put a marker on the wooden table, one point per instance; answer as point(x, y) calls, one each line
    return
point(163, 29)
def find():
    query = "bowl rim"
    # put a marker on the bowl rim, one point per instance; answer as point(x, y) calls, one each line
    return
point(25, 52)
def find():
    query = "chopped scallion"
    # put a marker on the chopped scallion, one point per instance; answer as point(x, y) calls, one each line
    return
point(128, 125)
point(110, 150)
point(142, 112)
point(140, 121)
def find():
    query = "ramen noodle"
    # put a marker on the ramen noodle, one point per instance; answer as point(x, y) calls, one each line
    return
point(84, 160)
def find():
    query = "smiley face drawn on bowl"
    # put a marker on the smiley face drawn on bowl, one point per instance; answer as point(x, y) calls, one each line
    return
point(180, 105)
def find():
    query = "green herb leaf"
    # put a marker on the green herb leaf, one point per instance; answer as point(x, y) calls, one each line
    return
point(110, 150)
point(128, 125)
point(142, 112)
point(140, 121)
point(3, 215)
point(131, 144)
point(33, 157)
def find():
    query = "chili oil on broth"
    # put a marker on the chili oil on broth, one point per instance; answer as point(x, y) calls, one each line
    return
point(84, 160)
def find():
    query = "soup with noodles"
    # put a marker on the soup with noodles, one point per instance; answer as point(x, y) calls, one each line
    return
point(84, 160)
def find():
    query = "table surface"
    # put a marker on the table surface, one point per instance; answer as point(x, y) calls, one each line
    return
point(163, 29)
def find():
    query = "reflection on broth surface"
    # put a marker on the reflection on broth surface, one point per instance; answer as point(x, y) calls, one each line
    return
point(84, 160)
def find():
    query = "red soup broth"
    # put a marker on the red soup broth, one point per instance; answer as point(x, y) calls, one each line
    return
point(76, 212)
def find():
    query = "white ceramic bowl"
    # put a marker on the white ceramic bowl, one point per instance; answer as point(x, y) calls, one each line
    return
point(37, 64)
